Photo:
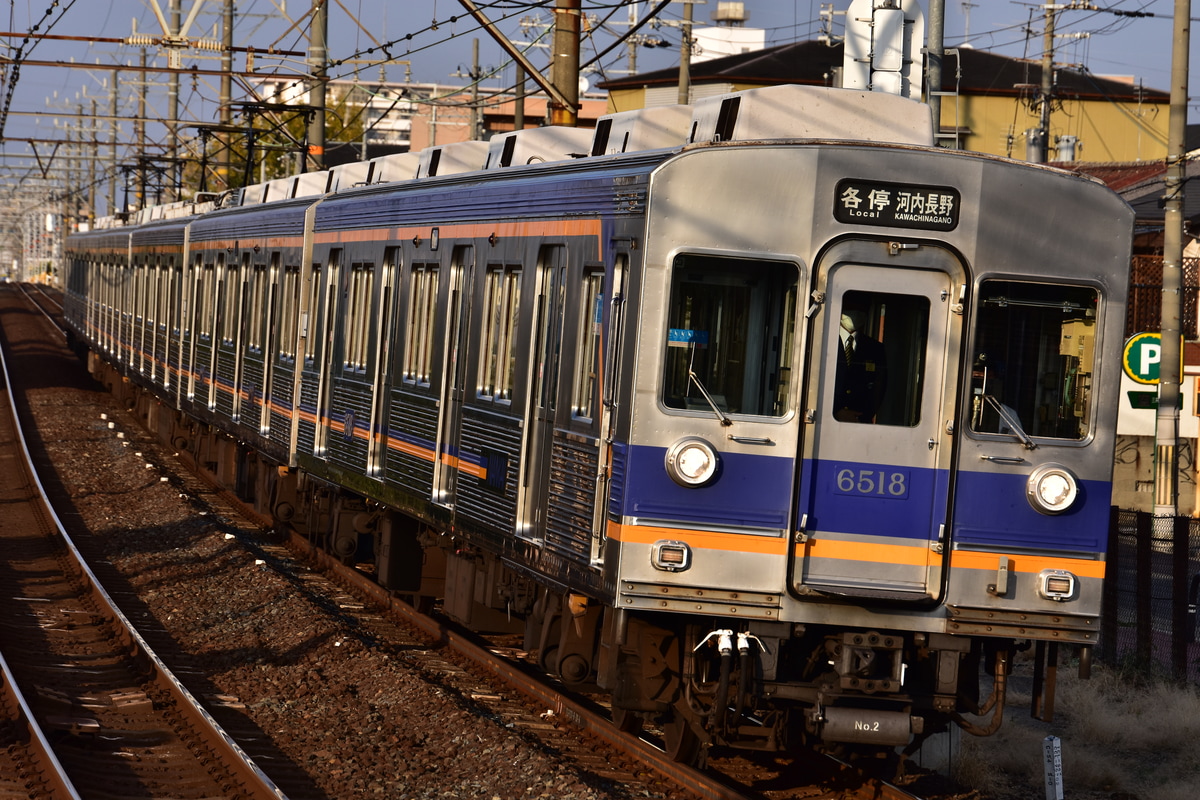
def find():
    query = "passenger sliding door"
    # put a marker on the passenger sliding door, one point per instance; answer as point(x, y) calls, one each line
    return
point(541, 408)
point(873, 498)
point(449, 427)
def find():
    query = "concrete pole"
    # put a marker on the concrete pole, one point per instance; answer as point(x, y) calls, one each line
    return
point(173, 166)
point(1047, 82)
point(519, 101)
point(318, 61)
point(139, 133)
point(476, 110)
point(685, 55)
point(565, 67)
point(934, 50)
point(114, 131)
point(225, 139)
point(90, 208)
point(1166, 429)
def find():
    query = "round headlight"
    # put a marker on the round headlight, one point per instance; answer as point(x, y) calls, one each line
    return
point(1051, 489)
point(692, 462)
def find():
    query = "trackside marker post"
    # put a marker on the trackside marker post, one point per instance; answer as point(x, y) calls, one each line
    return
point(1052, 762)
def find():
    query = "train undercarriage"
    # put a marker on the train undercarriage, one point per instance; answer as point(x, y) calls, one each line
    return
point(697, 681)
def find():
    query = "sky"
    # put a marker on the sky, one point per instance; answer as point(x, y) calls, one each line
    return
point(435, 38)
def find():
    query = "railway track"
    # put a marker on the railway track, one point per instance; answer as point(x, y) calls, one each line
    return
point(116, 720)
point(481, 677)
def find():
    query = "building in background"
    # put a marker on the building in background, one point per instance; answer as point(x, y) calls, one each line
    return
point(988, 100)
point(396, 117)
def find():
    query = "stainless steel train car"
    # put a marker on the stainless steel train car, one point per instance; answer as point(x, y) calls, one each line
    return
point(764, 416)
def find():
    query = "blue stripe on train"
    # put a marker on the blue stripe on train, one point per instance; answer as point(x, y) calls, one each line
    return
point(992, 511)
point(749, 490)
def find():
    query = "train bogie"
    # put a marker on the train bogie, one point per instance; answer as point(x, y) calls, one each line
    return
point(774, 439)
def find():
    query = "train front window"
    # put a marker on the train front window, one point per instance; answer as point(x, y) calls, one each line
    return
point(730, 331)
point(880, 374)
point(1033, 360)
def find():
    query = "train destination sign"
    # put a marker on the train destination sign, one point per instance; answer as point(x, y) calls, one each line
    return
point(896, 205)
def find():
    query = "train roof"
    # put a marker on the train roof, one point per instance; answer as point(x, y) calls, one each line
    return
point(787, 111)
point(548, 171)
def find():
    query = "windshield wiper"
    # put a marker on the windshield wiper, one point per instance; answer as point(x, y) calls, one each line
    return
point(721, 416)
point(1009, 417)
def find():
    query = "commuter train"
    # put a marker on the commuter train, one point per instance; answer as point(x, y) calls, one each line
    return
point(765, 416)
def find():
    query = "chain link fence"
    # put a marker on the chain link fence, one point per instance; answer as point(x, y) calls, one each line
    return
point(1151, 591)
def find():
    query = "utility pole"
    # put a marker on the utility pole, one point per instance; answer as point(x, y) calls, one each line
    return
point(318, 58)
point(225, 140)
point(934, 50)
point(114, 131)
point(519, 101)
point(173, 106)
point(564, 96)
point(564, 73)
point(94, 132)
point(1042, 145)
point(476, 110)
point(139, 133)
point(685, 55)
point(631, 44)
point(1166, 428)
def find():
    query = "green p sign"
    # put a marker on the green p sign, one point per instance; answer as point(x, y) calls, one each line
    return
point(1143, 354)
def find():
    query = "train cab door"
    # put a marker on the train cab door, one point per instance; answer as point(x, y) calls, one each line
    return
point(873, 496)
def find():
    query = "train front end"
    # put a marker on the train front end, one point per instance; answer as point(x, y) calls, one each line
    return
point(870, 439)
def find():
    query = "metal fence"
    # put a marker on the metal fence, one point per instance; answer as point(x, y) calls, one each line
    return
point(1150, 595)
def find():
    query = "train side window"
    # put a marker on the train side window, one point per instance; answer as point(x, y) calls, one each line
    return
point(358, 316)
point(309, 317)
point(498, 356)
point(256, 310)
point(591, 310)
point(229, 308)
point(880, 373)
point(290, 314)
point(727, 339)
point(1033, 360)
point(422, 307)
point(204, 327)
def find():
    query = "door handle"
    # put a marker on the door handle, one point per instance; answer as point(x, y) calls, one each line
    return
point(1004, 459)
point(751, 439)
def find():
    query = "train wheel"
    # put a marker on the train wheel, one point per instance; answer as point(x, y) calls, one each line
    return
point(627, 721)
point(680, 741)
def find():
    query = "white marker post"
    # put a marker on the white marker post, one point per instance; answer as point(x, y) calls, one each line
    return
point(1052, 762)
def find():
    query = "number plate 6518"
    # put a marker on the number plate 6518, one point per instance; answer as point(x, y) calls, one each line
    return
point(884, 482)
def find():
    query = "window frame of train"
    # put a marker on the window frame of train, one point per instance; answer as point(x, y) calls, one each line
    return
point(330, 308)
point(1038, 357)
point(201, 324)
point(585, 377)
point(356, 322)
point(309, 319)
point(498, 352)
point(424, 278)
point(256, 308)
point(724, 292)
point(289, 323)
point(229, 308)
point(138, 321)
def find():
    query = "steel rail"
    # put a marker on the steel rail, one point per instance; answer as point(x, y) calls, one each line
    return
point(50, 770)
point(251, 777)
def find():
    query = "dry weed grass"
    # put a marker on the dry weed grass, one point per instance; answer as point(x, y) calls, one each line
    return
point(1122, 739)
